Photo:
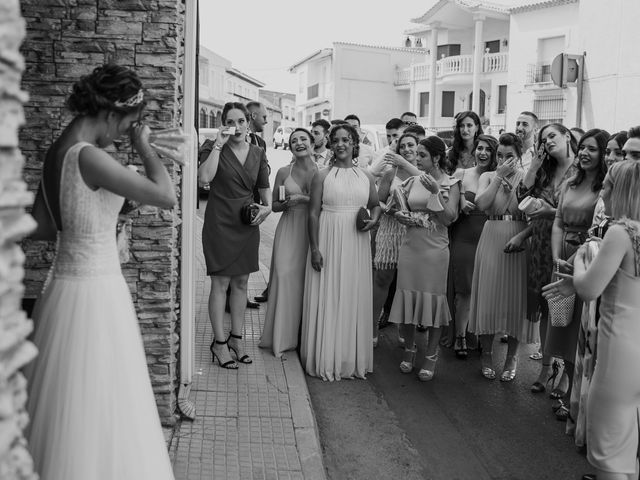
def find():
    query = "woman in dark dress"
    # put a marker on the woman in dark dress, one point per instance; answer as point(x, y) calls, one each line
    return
point(465, 133)
point(230, 246)
point(465, 235)
point(550, 168)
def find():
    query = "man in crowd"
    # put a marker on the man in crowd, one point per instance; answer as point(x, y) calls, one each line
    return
point(409, 118)
point(631, 148)
point(395, 128)
point(526, 129)
point(367, 153)
point(417, 130)
point(320, 133)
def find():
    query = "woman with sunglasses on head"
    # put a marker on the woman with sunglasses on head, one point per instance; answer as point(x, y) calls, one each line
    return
point(465, 234)
point(336, 338)
point(230, 234)
point(92, 409)
point(550, 168)
point(499, 288)
point(290, 246)
point(423, 261)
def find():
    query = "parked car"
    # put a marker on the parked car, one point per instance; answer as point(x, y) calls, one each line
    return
point(281, 137)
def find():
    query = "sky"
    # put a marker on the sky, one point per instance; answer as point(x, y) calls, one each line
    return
point(264, 38)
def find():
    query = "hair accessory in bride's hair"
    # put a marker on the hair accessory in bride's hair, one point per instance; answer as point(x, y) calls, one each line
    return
point(132, 101)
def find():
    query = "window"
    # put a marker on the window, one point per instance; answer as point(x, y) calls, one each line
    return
point(493, 46)
point(424, 104)
point(448, 50)
point(203, 118)
point(309, 119)
point(481, 104)
point(502, 98)
point(448, 103)
point(212, 119)
point(549, 108)
point(286, 113)
point(312, 91)
point(318, 115)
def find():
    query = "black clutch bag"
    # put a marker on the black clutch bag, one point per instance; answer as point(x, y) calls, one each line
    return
point(248, 213)
point(361, 218)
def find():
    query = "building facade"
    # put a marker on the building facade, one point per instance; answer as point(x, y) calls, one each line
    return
point(352, 78)
point(219, 83)
point(281, 108)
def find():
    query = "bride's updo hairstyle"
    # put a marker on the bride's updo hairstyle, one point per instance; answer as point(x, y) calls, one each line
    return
point(109, 87)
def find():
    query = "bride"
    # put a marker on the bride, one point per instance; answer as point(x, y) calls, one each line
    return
point(92, 409)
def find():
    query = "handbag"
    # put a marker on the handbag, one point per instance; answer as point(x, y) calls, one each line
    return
point(561, 309)
point(361, 217)
point(248, 213)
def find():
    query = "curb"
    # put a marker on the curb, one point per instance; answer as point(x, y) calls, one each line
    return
point(304, 420)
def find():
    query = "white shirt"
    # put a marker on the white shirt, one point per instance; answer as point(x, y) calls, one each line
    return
point(322, 158)
point(527, 157)
point(366, 156)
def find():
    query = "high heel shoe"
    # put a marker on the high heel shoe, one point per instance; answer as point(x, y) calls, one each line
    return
point(236, 346)
point(222, 356)
point(538, 386)
point(487, 371)
point(509, 374)
point(557, 392)
point(406, 366)
point(426, 374)
point(460, 347)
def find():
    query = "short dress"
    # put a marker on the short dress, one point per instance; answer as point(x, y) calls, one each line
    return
point(613, 403)
point(388, 238)
point(231, 247)
point(423, 264)
point(499, 287)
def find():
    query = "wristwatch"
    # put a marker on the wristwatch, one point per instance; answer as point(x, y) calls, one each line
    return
point(217, 147)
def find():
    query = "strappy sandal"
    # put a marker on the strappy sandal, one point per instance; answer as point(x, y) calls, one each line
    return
point(236, 347)
point(460, 347)
point(557, 393)
point(406, 366)
point(426, 374)
point(510, 374)
point(488, 372)
point(222, 356)
point(562, 413)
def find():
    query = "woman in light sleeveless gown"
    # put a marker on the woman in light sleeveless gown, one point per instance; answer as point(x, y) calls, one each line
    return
point(614, 392)
point(336, 319)
point(499, 286)
point(290, 247)
point(93, 412)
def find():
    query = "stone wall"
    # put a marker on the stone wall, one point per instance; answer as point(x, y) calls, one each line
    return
point(65, 40)
point(15, 350)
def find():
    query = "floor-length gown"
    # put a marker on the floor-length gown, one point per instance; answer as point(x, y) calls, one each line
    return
point(337, 332)
point(93, 413)
point(286, 277)
point(613, 403)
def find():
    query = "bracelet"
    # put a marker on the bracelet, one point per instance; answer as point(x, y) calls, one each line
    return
point(217, 147)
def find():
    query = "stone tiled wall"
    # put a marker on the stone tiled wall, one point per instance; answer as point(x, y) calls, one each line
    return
point(15, 350)
point(67, 39)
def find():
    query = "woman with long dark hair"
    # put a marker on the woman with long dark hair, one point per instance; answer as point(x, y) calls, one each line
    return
point(336, 339)
point(550, 168)
point(423, 261)
point(574, 215)
point(290, 247)
point(91, 406)
point(465, 234)
point(466, 131)
point(230, 243)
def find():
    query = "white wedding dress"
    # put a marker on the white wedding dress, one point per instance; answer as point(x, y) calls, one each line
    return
point(93, 413)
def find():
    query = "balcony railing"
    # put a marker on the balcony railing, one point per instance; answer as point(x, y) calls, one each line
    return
point(538, 73)
point(454, 65)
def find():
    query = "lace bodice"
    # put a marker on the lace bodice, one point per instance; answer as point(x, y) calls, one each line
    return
point(87, 243)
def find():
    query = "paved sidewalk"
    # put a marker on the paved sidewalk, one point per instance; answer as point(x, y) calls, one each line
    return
point(252, 423)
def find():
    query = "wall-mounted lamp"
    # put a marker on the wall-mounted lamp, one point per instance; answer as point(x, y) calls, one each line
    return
point(407, 42)
point(505, 42)
point(419, 43)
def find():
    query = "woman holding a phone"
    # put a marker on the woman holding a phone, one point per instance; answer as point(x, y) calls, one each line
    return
point(290, 246)
point(230, 235)
point(499, 286)
point(550, 168)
